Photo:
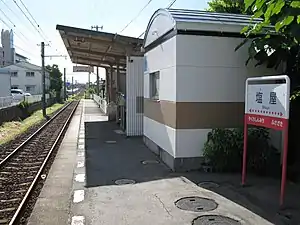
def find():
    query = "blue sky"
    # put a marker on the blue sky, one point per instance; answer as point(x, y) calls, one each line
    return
point(112, 14)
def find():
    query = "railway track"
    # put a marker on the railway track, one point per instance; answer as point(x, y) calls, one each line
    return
point(21, 169)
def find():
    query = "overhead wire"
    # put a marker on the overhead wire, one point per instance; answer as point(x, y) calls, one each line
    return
point(33, 19)
point(139, 13)
point(168, 7)
point(36, 27)
point(28, 19)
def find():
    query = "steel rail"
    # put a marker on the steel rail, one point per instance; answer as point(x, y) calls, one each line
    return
point(15, 218)
point(33, 135)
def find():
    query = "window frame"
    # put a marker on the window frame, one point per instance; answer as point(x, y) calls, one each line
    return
point(154, 85)
point(14, 74)
point(29, 74)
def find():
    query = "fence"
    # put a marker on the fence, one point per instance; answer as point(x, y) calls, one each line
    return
point(101, 102)
point(11, 101)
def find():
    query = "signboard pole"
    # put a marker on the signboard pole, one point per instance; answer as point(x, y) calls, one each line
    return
point(245, 151)
point(267, 102)
point(284, 164)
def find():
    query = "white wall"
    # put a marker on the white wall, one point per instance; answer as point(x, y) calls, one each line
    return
point(134, 89)
point(4, 83)
point(196, 69)
point(163, 59)
point(22, 80)
point(209, 70)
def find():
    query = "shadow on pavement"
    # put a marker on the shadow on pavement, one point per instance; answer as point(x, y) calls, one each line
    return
point(111, 156)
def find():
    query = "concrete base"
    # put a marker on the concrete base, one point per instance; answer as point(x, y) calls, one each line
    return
point(176, 164)
point(111, 111)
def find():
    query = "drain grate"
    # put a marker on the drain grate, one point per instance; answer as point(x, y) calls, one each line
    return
point(215, 220)
point(145, 162)
point(196, 204)
point(124, 181)
point(208, 185)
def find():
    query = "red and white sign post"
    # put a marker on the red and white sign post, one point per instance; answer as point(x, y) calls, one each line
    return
point(267, 103)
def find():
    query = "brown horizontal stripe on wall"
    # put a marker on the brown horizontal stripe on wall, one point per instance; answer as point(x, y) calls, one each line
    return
point(195, 115)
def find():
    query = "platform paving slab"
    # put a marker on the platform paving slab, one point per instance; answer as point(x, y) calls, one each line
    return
point(53, 204)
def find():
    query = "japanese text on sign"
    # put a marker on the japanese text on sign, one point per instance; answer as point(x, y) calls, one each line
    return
point(267, 100)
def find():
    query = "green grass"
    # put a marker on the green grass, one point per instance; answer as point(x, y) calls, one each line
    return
point(9, 130)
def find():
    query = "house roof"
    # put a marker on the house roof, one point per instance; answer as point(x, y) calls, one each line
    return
point(165, 20)
point(95, 48)
point(26, 65)
point(21, 56)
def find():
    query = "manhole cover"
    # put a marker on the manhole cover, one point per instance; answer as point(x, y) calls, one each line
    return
point(110, 142)
point(150, 162)
point(208, 185)
point(124, 181)
point(215, 220)
point(196, 204)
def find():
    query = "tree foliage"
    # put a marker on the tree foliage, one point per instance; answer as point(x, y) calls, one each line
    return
point(228, 6)
point(56, 82)
point(277, 34)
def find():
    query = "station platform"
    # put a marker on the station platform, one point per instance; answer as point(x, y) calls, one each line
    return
point(100, 177)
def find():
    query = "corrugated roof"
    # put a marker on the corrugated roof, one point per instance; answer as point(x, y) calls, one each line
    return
point(186, 15)
point(166, 20)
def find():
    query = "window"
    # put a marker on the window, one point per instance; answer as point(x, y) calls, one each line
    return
point(30, 88)
point(14, 87)
point(29, 74)
point(154, 85)
point(14, 74)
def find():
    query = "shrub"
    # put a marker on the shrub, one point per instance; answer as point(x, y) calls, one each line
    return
point(24, 107)
point(224, 150)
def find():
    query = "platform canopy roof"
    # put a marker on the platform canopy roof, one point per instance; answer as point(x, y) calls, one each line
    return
point(95, 48)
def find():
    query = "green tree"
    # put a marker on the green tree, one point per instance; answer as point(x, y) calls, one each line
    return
point(277, 35)
point(228, 6)
point(274, 40)
point(56, 82)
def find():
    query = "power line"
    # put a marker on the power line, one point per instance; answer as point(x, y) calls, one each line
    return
point(41, 32)
point(5, 23)
point(171, 4)
point(13, 12)
point(168, 7)
point(7, 17)
point(28, 19)
point(33, 18)
point(148, 3)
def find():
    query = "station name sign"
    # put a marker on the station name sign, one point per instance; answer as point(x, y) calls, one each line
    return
point(88, 69)
point(267, 105)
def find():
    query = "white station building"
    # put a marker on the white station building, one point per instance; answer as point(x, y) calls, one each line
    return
point(186, 80)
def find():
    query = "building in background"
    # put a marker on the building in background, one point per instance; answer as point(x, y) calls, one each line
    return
point(8, 50)
point(1, 57)
point(5, 83)
point(20, 58)
point(28, 77)
point(8, 55)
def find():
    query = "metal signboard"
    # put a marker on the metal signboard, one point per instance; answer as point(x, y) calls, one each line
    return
point(267, 102)
point(267, 105)
point(89, 69)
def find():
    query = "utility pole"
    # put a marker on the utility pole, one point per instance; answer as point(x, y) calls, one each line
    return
point(65, 85)
point(72, 85)
point(98, 87)
point(43, 56)
point(43, 80)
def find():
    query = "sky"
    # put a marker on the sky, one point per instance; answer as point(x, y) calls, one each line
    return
point(113, 15)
